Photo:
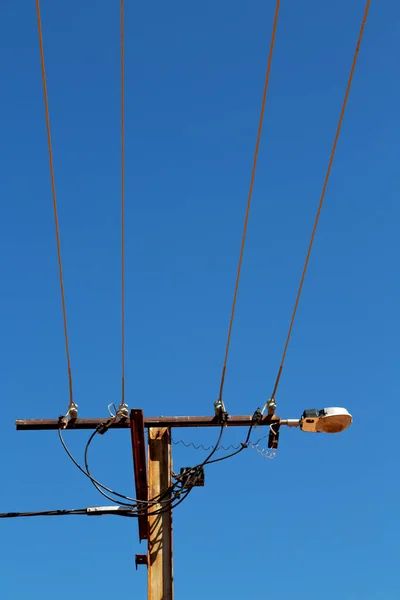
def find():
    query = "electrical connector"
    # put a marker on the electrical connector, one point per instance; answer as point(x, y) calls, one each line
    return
point(192, 477)
point(123, 411)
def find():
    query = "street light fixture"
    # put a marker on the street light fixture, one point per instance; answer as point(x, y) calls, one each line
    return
point(326, 420)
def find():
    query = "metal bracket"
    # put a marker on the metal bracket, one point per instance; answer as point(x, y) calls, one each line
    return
point(139, 464)
point(273, 437)
point(140, 559)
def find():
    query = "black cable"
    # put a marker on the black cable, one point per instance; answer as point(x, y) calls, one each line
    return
point(82, 470)
point(89, 476)
point(159, 499)
point(45, 513)
point(244, 445)
point(168, 498)
point(177, 493)
point(207, 460)
point(156, 500)
point(98, 486)
point(171, 507)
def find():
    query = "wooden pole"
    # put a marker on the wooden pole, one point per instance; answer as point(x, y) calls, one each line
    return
point(160, 571)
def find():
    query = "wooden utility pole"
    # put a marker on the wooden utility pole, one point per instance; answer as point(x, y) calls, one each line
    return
point(154, 476)
point(159, 559)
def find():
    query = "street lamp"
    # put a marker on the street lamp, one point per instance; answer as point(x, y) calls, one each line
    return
point(327, 420)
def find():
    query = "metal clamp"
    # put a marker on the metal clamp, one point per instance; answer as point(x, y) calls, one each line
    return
point(140, 559)
point(220, 411)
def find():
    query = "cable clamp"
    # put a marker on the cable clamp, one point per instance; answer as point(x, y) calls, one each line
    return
point(123, 411)
point(102, 428)
point(256, 418)
point(220, 411)
point(270, 405)
point(72, 414)
point(62, 421)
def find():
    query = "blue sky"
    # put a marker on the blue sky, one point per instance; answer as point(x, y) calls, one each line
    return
point(319, 521)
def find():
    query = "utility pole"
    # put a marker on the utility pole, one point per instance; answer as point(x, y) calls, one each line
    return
point(153, 475)
point(159, 558)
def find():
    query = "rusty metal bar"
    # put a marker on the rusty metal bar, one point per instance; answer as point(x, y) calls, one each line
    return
point(139, 466)
point(160, 570)
point(185, 421)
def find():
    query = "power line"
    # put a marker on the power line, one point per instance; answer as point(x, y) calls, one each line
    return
point(168, 498)
point(93, 510)
point(321, 201)
point(253, 172)
point(72, 404)
point(122, 24)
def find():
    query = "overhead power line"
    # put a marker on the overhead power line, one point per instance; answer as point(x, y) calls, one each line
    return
point(72, 404)
point(92, 510)
point(122, 25)
point(253, 172)
point(321, 201)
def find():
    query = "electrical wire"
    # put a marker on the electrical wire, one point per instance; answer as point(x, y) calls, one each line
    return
point(53, 189)
point(167, 499)
point(172, 506)
point(206, 461)
point(164, 496)
point(98, 486)
point(253, 172)
point(105, 510)
point(244, 445)
point(92, 479)
point(322, 197)
point(45, 513)
point(122, 19)
point(136, 504)
point(138, 507)
point(213, 451)
point(205, 448)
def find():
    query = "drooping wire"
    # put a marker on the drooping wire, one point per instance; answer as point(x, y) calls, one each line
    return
point(322, 197)
point(87, 473)
point(122, 25)
point(167, 499)
point(137, 506)
point(53, 189)
point(253, 172)
point(82, 470)
point(98, 485)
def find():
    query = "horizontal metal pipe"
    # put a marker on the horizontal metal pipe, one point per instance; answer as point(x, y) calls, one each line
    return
point(185, 421)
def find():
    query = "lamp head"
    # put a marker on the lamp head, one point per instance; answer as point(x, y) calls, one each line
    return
point(326, 420)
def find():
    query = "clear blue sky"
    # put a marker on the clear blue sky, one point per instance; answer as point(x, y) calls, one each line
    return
point(321, 520)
